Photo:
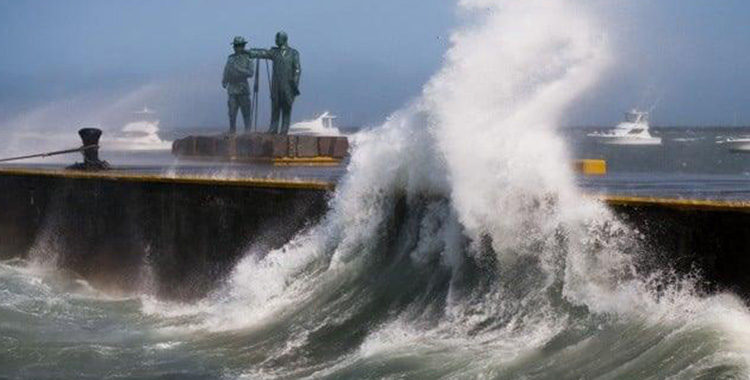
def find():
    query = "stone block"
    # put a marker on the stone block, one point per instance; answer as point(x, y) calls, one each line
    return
point(246, 146)
point(280, 146)
point(205, 146)
point(272, 146)
point(340, 147)
point(307, 146)
point(225, 146)
point(184, 146)
point(291, 143)
point(178, 147)
point(262, 146)
point(325, 146)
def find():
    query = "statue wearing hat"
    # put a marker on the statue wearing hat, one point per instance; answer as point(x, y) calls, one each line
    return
point(285, 82)
point(238, 69)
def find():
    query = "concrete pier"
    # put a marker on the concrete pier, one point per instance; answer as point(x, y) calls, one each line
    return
point(121, 230)
point(181, 233)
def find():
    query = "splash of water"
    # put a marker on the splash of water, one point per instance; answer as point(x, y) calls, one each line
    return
point(482, 135)
point(458, 243)
point(53, 125)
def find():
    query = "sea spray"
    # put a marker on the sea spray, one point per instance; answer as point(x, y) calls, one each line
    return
point(53, 125)
point(505, 87)
point(482, 138)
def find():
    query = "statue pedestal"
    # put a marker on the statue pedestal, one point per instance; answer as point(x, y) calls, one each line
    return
point(264, 147)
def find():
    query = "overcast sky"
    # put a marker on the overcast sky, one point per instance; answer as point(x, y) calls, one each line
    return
point(91, 61)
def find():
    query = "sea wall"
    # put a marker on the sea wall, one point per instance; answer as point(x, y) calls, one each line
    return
point(710, 240)
point(177, 237)
point(122, 232)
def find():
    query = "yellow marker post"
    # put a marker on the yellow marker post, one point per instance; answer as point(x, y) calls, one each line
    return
point(591, 167)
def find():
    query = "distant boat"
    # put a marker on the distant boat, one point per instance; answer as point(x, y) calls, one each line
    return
point(321, 126)
point(140, 134)
point(736, 144)
point(633, 131)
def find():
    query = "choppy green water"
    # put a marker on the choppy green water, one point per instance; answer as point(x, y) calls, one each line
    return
point(393, 315)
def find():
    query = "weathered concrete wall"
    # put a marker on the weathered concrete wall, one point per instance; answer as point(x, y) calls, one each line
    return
point(256, 146)
point(713, 243)
point(123, 234)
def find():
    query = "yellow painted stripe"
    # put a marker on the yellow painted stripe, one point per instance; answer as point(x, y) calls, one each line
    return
point(281, 161)
point(115, 175)
point(316, 159)
point(306, 161)
point(677, 203)
point(685, 204)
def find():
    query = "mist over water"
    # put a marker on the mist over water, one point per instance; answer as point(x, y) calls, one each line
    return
point(54, 125)
point(457, 246)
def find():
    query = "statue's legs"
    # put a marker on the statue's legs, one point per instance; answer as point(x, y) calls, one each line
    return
point(247, 111)
point(275, 113)
point(234, 106)
point(280, 109)
point(286, 115)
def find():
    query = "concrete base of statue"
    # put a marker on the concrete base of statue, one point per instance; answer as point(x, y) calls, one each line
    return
point(264, 147)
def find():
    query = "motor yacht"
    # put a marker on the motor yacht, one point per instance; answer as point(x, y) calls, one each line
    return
point(140, 134)
point(736, 144)
point(633, 131)
point(323, 125)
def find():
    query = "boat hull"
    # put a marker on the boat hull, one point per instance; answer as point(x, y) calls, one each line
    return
point(738, 146)
point(629, 141)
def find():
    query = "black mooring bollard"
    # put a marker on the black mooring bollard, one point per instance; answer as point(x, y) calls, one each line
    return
point(90, 151)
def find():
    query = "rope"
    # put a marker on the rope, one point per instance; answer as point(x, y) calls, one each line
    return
point(47, 154)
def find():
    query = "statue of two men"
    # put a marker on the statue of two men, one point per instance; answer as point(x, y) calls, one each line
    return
point(284, 83)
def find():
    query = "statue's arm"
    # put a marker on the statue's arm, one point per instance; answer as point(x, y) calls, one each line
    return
point(246, 71)
point(259, 53)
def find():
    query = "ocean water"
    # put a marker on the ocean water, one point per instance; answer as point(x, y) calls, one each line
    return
point(445, 254)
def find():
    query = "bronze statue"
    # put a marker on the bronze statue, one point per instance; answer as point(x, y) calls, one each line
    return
point(238, 69)
point(285, 82)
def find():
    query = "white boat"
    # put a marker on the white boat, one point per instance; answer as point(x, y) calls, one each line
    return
point(321, 126)
point(736, 144)
point(633, 131)
point(140, 134)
